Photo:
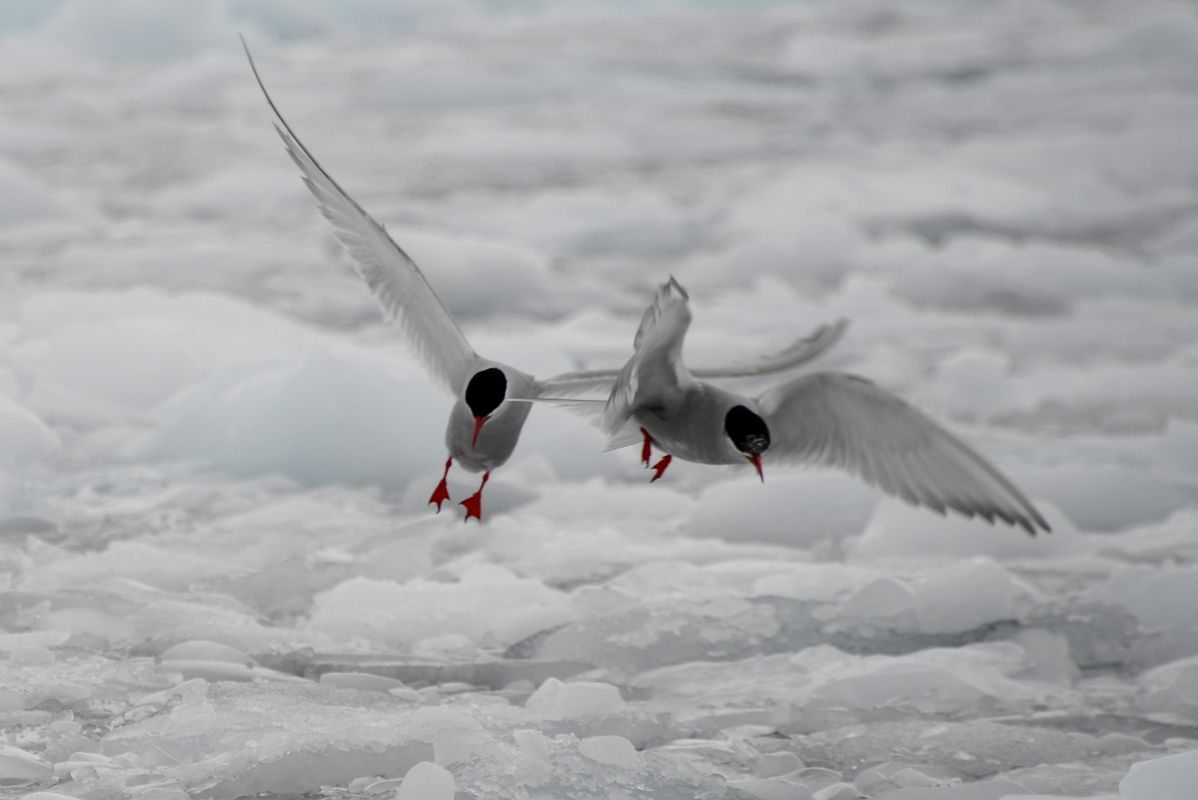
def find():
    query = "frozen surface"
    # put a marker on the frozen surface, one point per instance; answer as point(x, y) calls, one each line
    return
point(218, 575)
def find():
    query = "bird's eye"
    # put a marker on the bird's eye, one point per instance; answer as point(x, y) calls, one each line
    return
point(747, 430)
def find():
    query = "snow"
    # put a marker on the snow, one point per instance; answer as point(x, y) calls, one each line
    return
point(218, 573)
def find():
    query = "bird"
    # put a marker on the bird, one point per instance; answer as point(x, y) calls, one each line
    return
point(829, 419)
point(485, 421)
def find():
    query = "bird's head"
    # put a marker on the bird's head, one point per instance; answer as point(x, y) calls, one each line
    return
point(484, 394)
point(748, 433)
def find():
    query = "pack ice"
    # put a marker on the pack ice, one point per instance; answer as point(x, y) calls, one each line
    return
point(218, 575)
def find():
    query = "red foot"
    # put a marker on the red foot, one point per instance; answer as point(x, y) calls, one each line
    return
point(441, 493)
point(647, 447)
point(474, 503)
point(659, 468)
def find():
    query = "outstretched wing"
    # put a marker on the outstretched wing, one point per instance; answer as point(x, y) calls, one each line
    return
point(655, 372)
point(400, 286)
point(843, 421)
point(796, 354)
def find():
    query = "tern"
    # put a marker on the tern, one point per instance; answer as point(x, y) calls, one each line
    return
point(486, 419)
point(831, 419)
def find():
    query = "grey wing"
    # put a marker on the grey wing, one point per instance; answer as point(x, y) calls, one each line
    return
point(843, 421)
point(655, 371)
point(797, 353)
point(400, 286)
point(794, 355)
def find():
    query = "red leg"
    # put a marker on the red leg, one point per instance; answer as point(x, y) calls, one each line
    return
point(659, 468)
point(474, 503)
point(441, 493)
point(647, 447)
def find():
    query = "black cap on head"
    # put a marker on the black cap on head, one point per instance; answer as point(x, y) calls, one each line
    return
point(748, 431)
point(486, 391)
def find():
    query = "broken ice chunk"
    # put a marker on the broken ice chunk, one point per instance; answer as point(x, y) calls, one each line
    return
point(1169, 778)
point(986, 790)
point(19, 768)
point(363, 681)
point(454, 745)
point(966, 595)
point(772, 765)
point(202, 650)
point(574, 700)
point(614, 751)
point(773, 789)
point(426, 781)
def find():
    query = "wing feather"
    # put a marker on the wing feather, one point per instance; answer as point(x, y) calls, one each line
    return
point(400, 287)
point(842, 421)
point(655, 372)
point(799, 352)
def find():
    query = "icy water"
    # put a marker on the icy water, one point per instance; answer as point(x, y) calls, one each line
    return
point(218, 575)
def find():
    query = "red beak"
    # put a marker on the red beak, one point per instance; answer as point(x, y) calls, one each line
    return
point(478, 426)
point(756, 462)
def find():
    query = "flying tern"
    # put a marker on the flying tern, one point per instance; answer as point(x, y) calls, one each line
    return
point(831, 419)
point(485, 421)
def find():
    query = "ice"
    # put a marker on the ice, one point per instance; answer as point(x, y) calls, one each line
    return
point(215, 662)
point(965, 596)
point(772, 789)
point(117, 32)
point(1171, 690)
point(1160, 598)
point(489, 605)
point(974, 749)
point(426, 781)
point(775, 764)
point(360, 680)
point(205, 651)
point(987, 790)
point(1169, 778)
point(132, 614)
point(612, 751)
point(218, 573)
point(574, 700)
point(1105, 497)
point(18, 768)
point(793, 690)
point(583, 221)
point(24, 439)
point(898, 530)
point(25, 199)
point(478, 278)
point(796, 510)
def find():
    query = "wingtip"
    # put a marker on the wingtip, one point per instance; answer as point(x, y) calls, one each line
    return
point(1032, 523)
point(673, 283)
point(246, 47)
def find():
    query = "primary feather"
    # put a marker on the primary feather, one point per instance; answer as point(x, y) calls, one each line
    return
point(842, 421)
point(401, 288)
